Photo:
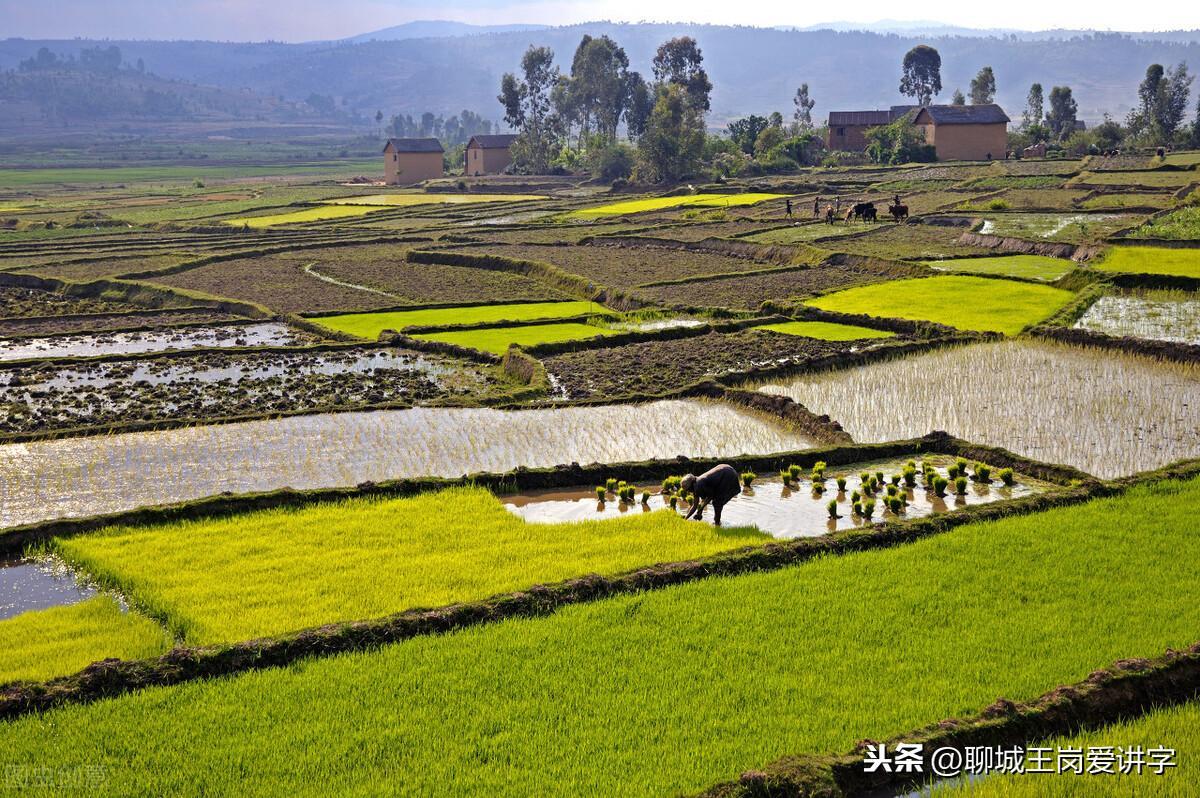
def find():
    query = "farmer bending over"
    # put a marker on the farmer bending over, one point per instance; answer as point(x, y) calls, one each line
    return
point(716, 486)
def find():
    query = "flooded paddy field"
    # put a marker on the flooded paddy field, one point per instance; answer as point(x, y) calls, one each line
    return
point(216, 384)
point(1107, 413)
point(793, 510)
point(74, 477)
point(271, 333)
point(1159, 316)
point(27, 585)
point(102, 322)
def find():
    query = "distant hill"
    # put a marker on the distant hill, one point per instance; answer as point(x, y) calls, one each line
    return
point(754, 70)
point(428, 29)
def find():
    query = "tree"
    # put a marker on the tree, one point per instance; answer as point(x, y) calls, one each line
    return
point(958, 98)
point(983, 87)
point(679, 62)
point(641, 103)
point(674, 139)
point(1034, 108)
point(1162, 103)
point(744, 132)
point(921, 77)
point(1061, 119)
point(804, 105)
point(898, 142)
point(598, 88)
point(527, 106)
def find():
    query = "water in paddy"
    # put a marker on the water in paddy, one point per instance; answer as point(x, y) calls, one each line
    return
point(1167, 319)
point(26, 586)
point(134, 342)
point(1104, 412)
point(785, 512)
point(74, 477)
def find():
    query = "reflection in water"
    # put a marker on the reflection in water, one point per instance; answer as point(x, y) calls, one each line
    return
point(82, 476)
point(774, 508)
point(128, 343)
point(26, 586)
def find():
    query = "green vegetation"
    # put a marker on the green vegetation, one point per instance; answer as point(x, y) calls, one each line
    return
point(1151, 260)
point(1127, 200)
point(1180, 225)
point(42, 644)
point(1070, 227)
point(169, 174)
point(826, 331)
point(1161, 177)
point(652, 694)
point(319, 214)
point(1176, 727)
point(406, 200)
point(279, 570)
point(497, 339)
point(969, 303)
point(1190, 158)
point(370, 325)
point(1032, 267)
point(662, 203)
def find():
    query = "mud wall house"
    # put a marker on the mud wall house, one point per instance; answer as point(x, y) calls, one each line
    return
point(488, 155)
point(965, 132)
point(412, 160)
point(847, 129)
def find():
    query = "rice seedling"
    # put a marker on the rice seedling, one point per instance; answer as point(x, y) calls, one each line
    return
point(794, 471)
point(832, 508)
point(601, 493)
point(1105, 412)
point(664, 203)
point(748, 478)
point(868, 509)
point(939, 486)
point(1032, 267)
point(963, 301)
point(841, 483)
point(826, 331)
point(610, 485)
point(408, 200)
point(671, 484)
point(318, 214)
point(645, 497)
point(960, 486)
point(497, 340)
point(1156, 315)
point(960, 465)
point(370, 325)
point(910, 476)
point(42, 644)
point(895, 504)
point(855, 497)
point(1006, 476)
point(84, 476)
point(983, 473)
point(1151, 260)
point(269, 572)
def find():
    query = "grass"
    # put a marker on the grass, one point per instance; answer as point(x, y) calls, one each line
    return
point(370, 325)
point(1183, 158)
point(498, 339)
point(1127, 200)
point(405, 200)
point(969, 303)
point(1176, 727)
point(826, 331)
point(1032, 267)
point(1151, 260)
point(279, 570)
point(1158, 178)
point(661, 203)
point(1181, 225)
point(42, 644)
point(319, 214)
point(669, 691)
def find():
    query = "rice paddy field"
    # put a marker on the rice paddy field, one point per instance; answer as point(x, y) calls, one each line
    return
point(190, 353)
point(635, 695)
point(966, 302)
point(1107, 413)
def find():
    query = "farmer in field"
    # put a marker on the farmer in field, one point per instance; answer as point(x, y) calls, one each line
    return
point(789, 207)
point(715, 486)
point(817, 207)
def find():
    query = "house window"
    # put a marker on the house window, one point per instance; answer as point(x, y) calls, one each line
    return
point(841, 131)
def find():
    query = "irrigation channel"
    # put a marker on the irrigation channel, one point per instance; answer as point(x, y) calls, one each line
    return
point(230, 336)
point(1107, 413)
point(785, 511)
point(74, 477)
point(27, 585)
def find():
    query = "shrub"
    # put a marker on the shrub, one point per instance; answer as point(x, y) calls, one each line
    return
point(1006, 476)
point(997, 205)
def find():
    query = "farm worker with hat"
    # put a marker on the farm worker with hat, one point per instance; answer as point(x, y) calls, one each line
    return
point(716, 486)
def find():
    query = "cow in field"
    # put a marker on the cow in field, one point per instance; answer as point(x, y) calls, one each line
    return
point(899, 212)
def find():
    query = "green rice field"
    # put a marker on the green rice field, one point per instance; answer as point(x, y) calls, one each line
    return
point(407, 200)
point(1151, 260)
point(276, 571)
point(966, 302)
point(42, 644)
point(664, 203)
point(669, 691)
point(826, 331)
point(498, 339)
point(370, 325)
point(320, 214)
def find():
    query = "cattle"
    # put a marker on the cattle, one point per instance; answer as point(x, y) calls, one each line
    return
point(828, 214)
point(899, 212)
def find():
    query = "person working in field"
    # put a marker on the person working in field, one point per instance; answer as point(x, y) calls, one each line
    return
point(715, 486)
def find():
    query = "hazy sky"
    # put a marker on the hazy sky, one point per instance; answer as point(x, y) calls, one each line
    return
point(301, 20)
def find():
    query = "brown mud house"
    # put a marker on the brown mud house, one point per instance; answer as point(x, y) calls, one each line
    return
point(412, 160)
point(488, 155)
point(957, 132)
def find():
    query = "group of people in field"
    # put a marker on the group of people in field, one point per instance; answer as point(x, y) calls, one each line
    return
point(865, 211)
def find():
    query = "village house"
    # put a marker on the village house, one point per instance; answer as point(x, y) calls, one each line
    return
point(407, 161)
point(965, 132)
point(957, 132)
point(488, 155)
